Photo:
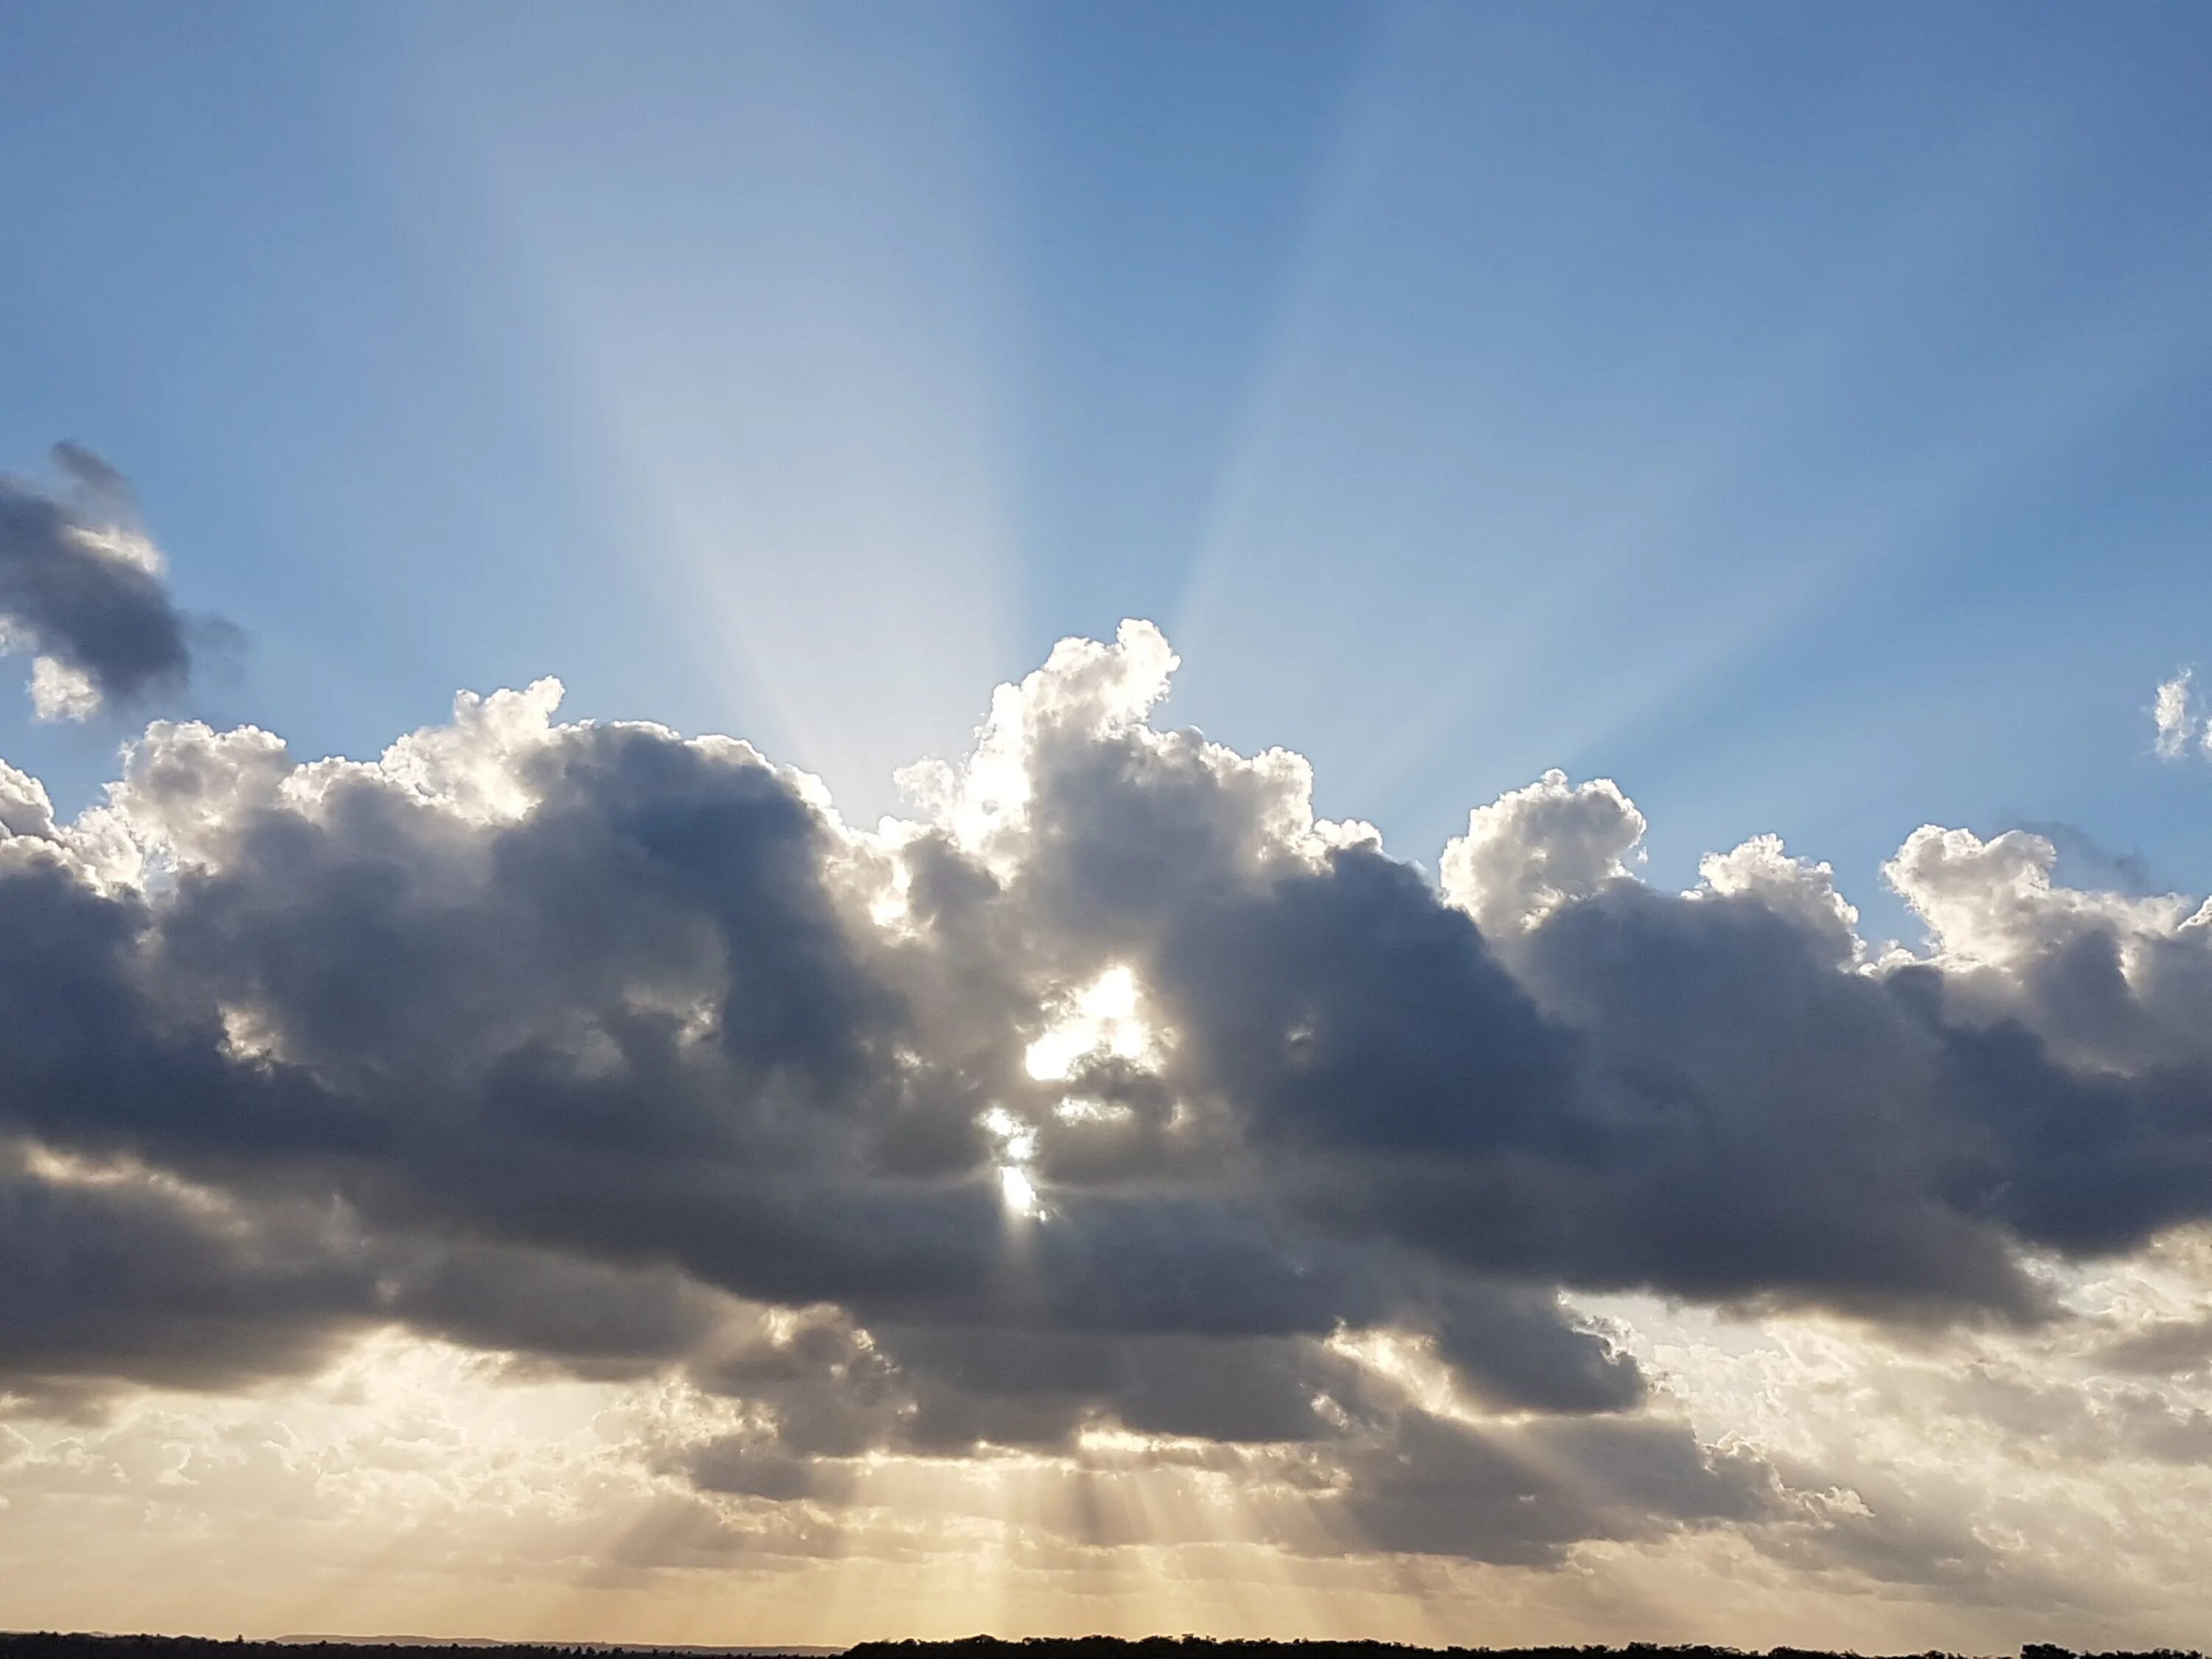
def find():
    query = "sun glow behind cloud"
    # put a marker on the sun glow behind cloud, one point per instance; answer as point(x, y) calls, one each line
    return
point(798, 430)
point(1102, 1021)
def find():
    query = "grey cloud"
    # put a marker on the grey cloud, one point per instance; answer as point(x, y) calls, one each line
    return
point(2103, 1421)
point(2151, 1427)
point(1883, 1532)
point(81, 592)
point(744, 1469)
point(592, 1319)
point(1346, 1008)
point(2085, 862)
point(1523, 1497)
point(121, 1277)
point(117, 1273)
point(1759, 1121)
point(2172, 1347)
point(1230, 1389)
point(1513, 1347)
point(1403, 1480)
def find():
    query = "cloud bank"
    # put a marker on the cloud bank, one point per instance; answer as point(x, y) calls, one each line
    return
point(1111, 1115)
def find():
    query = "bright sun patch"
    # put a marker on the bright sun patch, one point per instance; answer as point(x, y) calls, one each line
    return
point(1017, 1147)
point(1101, 1023)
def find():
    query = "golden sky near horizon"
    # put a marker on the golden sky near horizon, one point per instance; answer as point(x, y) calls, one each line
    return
point(418, 1488)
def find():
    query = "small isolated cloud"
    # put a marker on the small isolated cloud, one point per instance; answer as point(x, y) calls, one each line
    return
point(82, 594)
point(2173, 712)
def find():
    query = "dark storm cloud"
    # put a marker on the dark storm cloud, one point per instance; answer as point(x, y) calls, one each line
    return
point(75, 591)
point(590, 1044)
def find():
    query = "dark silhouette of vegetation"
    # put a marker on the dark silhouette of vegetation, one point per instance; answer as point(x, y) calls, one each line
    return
point(1210, 1649)
point(48, 1644)
point(1202, 1647)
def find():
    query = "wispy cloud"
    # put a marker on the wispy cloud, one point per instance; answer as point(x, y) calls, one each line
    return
point(2173, 712)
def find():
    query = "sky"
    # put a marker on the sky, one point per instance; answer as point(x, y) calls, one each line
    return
point(1560, 996)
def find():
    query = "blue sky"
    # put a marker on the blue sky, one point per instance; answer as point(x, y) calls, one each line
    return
point(1798, 414)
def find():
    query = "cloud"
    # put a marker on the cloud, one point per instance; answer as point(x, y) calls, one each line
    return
point(114, 1272)
point(2177, 722)
point(2180, 725)
point(623, 1056)
point(81, 592)
point(1532, 850)
point(2168, 1347)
